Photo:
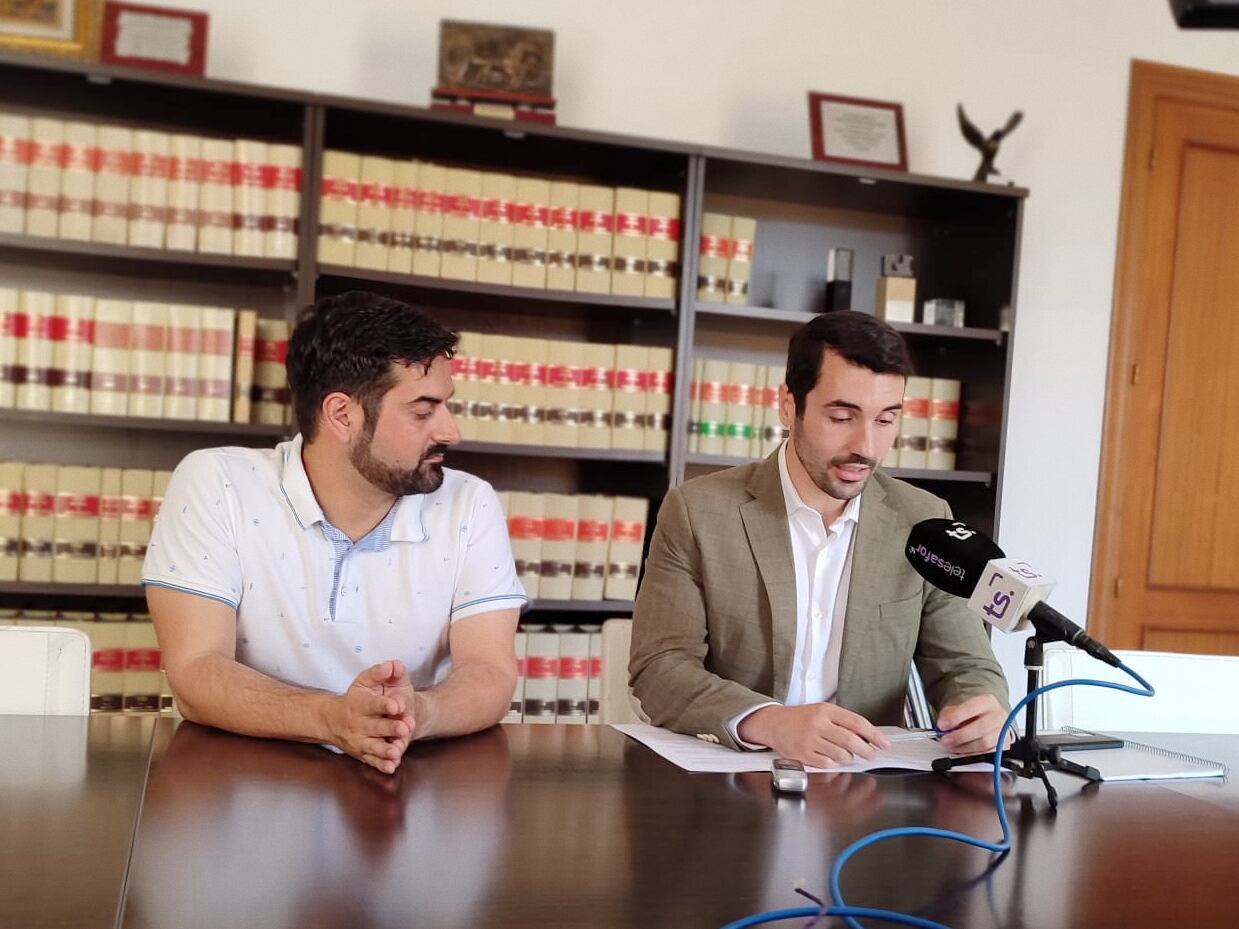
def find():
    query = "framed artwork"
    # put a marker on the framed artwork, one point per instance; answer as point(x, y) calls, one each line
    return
point(153, 37)
point(51, 27)
point(496, 59)
point(851, 130)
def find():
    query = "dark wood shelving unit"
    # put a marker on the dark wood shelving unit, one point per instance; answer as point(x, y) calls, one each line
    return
point(964, 235)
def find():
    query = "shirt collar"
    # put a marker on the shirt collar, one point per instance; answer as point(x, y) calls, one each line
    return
point(295, 483)
point(794, 503)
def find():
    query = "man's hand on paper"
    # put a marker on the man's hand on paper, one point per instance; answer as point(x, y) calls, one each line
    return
point(822, 735)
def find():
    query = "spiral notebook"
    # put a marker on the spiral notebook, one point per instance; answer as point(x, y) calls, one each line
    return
point(1136, 761)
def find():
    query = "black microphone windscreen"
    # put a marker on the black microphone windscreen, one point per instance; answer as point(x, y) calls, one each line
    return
point(950, 554)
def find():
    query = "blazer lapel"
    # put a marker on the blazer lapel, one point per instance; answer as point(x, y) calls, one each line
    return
point(865, 592)
point(765, 524)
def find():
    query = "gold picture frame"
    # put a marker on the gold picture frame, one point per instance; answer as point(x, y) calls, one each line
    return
point(67, 28)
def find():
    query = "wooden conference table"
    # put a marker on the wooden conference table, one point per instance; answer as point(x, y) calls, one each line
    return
point(138, 823)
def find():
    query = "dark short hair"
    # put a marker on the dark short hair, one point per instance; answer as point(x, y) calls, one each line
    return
point(349, 343)
point(861, 338)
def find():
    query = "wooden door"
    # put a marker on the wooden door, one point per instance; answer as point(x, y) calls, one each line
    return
point(1166, 554)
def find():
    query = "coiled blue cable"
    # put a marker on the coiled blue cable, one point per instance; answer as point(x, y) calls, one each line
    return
point(851, 913)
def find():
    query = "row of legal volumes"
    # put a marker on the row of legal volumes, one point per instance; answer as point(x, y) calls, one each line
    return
point(558, 675)
point(548, 392)
point(72, 353)
point(576, 546)
point(71, 524)
point(416, 217)
point(96, 182)
point(126, 666)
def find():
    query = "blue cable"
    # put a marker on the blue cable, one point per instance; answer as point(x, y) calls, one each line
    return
point(850, 913)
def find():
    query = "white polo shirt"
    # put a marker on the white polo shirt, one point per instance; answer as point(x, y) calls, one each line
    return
point(242, 526)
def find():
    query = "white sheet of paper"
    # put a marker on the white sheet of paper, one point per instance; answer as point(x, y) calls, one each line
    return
point(909, 751)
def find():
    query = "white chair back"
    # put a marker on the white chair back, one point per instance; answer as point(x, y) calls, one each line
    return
point(1194, 693)
point(44, 670)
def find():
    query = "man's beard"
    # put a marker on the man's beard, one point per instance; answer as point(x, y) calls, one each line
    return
point(425, 478)
point(820, 475)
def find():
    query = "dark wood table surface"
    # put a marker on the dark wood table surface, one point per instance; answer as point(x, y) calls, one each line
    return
point(556, 826)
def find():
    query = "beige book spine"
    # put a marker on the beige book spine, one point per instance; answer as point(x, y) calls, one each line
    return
point(72, 354)
point(495, 389)
point(148, 188)
point(270, 392)
point(662, 248)
point(541, 675)
point(249, 200)
point(594, 707)
point(185, 171)
point(572, 689)
point(143, 681)
point(428, 242)
point(47, 136)
point(215, 363)
point(461, 224)
point(109, 379)
point(466, 379)
point(11, 508)
point(594, 515)
point(944, 395)
point(594, 240)
point(109, 525)
point(558, 555)
point(281, 201)
point(525, 532)
point(694, 406)
point(528, 371)
point(38, 523)
point(495, 228)
point(740, 260)
point(564, 375)
point(773, 431)
point(337, 207)
point(714, 257)
point(110, 223)
point(8, 346)
point(215, 197)
point(517, 707)
point(712, 424)
point(107, 666)
point(184, 351)
point(738, 394)
point(148, 359)
point(374, 212)
point(628, 397)
point(659, 383)
point(406, 197)
point(14, 172)
point(76, 533)
point(595, 401)
point(632, 209)
point(531, 217)
point(36, 352)
point(914, 424)
point(243, 367)
point(135, 523)
point(563, 219)
point(627, 540)
point(77, 182)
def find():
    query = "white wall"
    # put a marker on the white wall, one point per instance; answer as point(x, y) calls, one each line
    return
point(735, 74)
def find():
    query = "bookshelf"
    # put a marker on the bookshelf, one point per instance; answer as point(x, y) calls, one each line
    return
point(964, 236)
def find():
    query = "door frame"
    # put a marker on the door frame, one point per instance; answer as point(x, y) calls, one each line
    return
point(1150, 82)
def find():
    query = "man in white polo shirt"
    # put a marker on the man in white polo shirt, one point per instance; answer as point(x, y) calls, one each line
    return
point(342, 588)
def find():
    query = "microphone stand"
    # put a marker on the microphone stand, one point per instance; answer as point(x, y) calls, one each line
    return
point(1027, 757)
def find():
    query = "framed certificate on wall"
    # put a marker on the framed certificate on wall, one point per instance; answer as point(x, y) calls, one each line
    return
point(851, 130)
point(154, 37)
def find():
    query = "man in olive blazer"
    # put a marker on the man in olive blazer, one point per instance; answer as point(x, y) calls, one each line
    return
point(722, 564)
point(715, 625)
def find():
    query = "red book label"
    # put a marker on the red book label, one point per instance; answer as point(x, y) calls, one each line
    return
point(525, 527)
point(627, 531)
point(558, 530)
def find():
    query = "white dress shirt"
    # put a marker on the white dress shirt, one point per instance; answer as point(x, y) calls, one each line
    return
point(822, 559)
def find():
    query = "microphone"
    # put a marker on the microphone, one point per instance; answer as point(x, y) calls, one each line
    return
point(1005, 592)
